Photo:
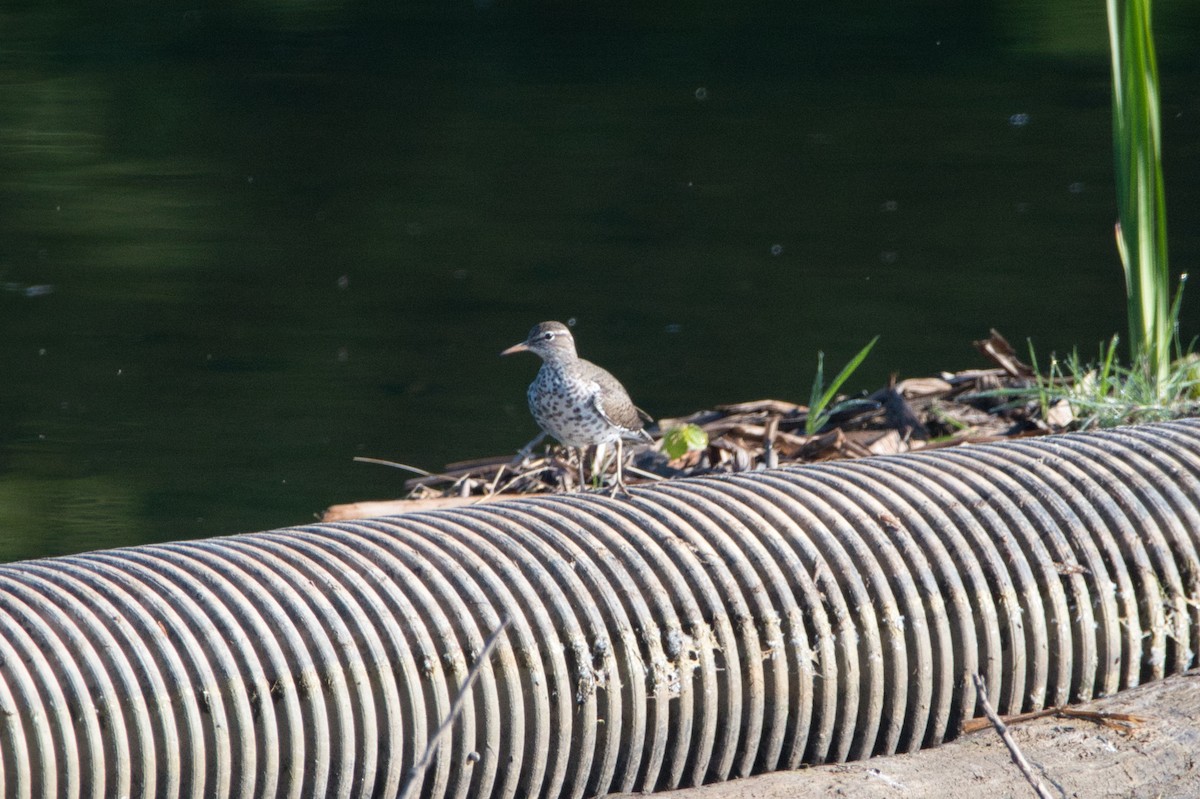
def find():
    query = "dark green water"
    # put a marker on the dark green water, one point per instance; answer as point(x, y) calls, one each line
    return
point(277, 238)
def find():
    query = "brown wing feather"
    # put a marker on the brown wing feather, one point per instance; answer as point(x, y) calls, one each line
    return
point(611, 400)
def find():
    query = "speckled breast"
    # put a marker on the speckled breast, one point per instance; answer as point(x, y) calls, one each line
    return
point(564, 409)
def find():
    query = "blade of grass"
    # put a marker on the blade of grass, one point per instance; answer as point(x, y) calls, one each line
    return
point(818, 413)
point(814, 397)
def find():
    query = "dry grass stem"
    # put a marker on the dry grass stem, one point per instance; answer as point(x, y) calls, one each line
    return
point(413, 778)
point(1014, 751)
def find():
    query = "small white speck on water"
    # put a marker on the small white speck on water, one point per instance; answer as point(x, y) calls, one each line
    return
point(701, 94)
point(1018, 120)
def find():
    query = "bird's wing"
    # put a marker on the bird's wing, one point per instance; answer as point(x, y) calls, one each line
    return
point(611, 400)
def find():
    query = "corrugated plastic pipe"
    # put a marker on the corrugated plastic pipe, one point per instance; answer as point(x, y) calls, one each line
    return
point(695, 631)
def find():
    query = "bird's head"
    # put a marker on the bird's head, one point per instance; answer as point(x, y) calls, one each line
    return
point(551, 341)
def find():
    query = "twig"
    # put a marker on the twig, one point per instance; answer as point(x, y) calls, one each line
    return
point(523, 475)
point(1117, 721)
point(1015, 751)
point(491, 489)
point(394, 465)
point(412, 779)
point(527, 450)
point(404, 466)
point(644, 473)
point(770, 455)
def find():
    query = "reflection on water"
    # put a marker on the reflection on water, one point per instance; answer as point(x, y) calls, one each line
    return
point(238, 249)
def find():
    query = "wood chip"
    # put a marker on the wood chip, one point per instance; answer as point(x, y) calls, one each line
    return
point(396, 507)
point(997, 349)
point(915, 387)
point(1060, 415)
point(890, 443)
point(778, 407)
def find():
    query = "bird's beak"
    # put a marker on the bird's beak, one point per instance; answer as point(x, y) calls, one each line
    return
point(522, 347)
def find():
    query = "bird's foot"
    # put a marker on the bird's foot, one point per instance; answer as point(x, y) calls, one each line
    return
point(619, 487)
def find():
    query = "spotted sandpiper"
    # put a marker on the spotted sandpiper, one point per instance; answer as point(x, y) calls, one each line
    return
point(576, 401)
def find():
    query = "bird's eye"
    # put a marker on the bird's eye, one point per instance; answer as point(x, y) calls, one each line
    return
point(548, 335)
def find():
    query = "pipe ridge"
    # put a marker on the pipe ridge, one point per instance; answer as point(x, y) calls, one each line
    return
point(939, 593)
point(350, 653)
point(134, 734)
point(693, 520)
point(622, 552)
point(705, 647)
point(461, 617)
point(509, 570)
point(420, 629)
point(600, 650)
point(884, 678)
point(1132, 543)
point(858, 648)
point(1035, 543)
point(753, 542)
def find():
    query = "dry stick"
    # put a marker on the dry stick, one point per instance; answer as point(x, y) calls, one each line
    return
point(527, 450)
point(418, 770)
point(1015, 751)
point(520, 477)
point(644, 473)
point(1117, 721)
point(770, 454)
point(499, 473)
point(404, 466)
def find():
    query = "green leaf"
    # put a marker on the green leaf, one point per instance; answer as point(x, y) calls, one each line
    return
point(680, 440)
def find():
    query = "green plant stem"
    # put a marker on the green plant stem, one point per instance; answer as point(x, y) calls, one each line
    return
point(1141, 205)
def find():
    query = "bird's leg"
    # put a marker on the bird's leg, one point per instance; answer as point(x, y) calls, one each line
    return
point(620, 484)
point(599, 464)
point(596, 464)
point(581, 451)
